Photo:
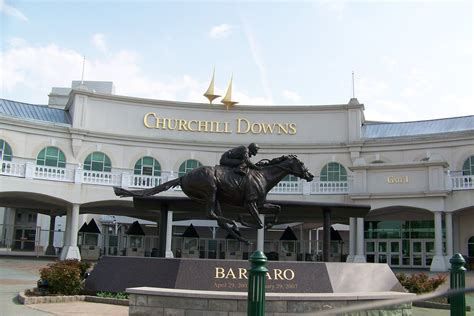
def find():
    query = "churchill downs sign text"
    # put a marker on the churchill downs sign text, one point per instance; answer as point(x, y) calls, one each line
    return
point(241, 126)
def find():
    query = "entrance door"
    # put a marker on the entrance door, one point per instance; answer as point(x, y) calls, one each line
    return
point(384, 251)
point(25, 239)
point(422, 253)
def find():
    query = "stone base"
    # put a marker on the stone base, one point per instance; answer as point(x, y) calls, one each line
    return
point(50, 251)
point(439, 264)
point(169, 254)
point(159, 301)
point(359, 259)
point(70, 252)
point(350, 258)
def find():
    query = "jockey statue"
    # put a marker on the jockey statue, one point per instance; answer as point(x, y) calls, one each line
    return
point(239, 158)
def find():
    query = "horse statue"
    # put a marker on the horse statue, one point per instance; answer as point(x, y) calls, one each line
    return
point(221, 185)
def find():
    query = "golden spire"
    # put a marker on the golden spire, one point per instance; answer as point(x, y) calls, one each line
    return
point(209, 94)
point(227, 100)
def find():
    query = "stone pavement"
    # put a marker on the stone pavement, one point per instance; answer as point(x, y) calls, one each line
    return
point(18, 274)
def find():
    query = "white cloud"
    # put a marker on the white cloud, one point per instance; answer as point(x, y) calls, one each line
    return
point(99, 42)
point(258, 59)
point(366, 88)
point(12, 11)
point(29, 72)
point(220, 31)
point(291, 95)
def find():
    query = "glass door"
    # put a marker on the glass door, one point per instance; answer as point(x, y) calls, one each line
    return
point(394, 253)
point(418, 254)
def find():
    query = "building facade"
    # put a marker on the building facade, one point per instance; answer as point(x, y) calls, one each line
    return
point(63, 159)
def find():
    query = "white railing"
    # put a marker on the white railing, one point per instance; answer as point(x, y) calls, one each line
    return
point(139, 181)
point(102, 178)
point(329, 187)
point(9, 168)
point(287, 187)
point(462, 182)
point(54, 173)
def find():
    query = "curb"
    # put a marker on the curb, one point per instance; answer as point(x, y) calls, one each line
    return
point(27, 300)
point(435, 305)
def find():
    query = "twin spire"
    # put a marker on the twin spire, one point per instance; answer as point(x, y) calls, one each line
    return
point(227, 100)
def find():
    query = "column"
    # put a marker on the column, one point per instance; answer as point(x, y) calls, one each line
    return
point(438, 264)
point(71, 251)
point(352, 239)
point(326, 234)
point(163, 228)
point(261, 233)
point(50, 250)
point(360, 256)
point(449, 236)
point(169, 235)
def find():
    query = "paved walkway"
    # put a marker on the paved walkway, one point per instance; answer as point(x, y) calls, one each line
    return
point(18, 274)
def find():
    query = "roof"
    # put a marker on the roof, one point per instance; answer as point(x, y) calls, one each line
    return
point(439, 126)
point(35, 112)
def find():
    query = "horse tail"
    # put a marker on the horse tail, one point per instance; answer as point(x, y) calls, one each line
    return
point(147, 192)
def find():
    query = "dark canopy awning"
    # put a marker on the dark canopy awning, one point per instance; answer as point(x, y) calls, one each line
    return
point(291, 211)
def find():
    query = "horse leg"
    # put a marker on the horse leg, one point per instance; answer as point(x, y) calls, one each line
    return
point(269, 208)
point(253, 210)
point(222, 222)
point(245, 223)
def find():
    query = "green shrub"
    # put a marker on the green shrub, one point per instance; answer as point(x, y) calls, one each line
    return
point(420, 282)
point(120, 295)
point(65, 277)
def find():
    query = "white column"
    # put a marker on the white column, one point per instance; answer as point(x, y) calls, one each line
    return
point(448, 219)
point(352, 239)
point(169, 235)
point(360, 256)
point(439, 263)
point(261, 233)
point(71, 251)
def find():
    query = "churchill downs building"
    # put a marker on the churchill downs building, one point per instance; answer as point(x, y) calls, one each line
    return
point(60, 161)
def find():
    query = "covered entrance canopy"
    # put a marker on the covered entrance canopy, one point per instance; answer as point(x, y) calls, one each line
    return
point(291, 211)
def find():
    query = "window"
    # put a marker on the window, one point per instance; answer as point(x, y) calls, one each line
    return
point(470, 246)
point(290, 178)
point(468, 167)
point(333, 171)
point(98, 161)
point(147, 166)
point(51, 157)
point(5, 151)
point(188, 165)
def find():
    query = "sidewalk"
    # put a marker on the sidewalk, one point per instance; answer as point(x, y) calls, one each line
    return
point(18, 274)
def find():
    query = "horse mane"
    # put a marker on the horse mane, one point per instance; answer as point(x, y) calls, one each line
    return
point(274, 161)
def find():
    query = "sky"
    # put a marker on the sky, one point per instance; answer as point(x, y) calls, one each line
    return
point(412, 60)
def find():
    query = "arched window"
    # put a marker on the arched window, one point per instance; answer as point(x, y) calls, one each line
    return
point(470, 247)
point(468, 167)
point(333, 171)
point(98, 161)
point(51, 157)
point(5, 151)
point(188, 165)
point(147, 166)
point(290, 178)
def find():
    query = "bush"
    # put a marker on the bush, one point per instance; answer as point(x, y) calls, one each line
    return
point(65, 277)
point(120, 295)
point(420, 282)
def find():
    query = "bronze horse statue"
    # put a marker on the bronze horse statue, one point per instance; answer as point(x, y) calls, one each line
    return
point(220, 184)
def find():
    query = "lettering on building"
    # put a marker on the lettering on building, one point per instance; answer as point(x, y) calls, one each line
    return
point(397, 179)
point(239, 126)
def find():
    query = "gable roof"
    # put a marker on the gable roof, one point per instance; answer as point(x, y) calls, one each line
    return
point(34, 112)
point(438, 126)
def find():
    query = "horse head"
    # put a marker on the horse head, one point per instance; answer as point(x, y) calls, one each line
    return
point(298, 168)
